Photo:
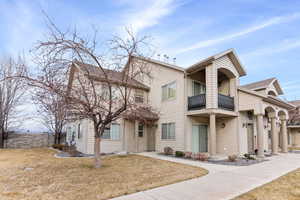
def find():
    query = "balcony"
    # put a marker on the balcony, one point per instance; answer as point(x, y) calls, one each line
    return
point(225, 102)
point(199, 102)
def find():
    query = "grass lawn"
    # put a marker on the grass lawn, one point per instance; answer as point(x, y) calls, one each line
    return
point(75, 178)
point(286, 187)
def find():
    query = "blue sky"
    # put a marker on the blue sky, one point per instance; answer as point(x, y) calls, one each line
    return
point(265, 34)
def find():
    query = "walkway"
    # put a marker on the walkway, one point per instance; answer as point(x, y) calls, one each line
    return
point(222, 182)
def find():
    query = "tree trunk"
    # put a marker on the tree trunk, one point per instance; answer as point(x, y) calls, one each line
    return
point(55, 138)
point(58, 138)
point(1, 139)
point(97, 152)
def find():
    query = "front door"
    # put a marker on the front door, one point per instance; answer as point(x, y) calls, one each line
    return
point(250, 138)
point(151, 138)
point(199, 138)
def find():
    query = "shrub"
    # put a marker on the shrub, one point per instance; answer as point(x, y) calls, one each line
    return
point(58, 146)
point(168, 151)
point(188, 154)
point(247, 156)
point(203, 157)
point(232, 158)
point(179, 154)
point(200, 156)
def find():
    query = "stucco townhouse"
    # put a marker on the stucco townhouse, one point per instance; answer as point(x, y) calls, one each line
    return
point(202, 108)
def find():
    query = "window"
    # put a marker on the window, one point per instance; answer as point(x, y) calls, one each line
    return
point(168, 131)
point(78, 132)
point(198, 88)
point(69, 133)
point(105, 92)
point(141, 130)
point(169, 91)
point(112, 132)
point(139, 96)
point(106, 133)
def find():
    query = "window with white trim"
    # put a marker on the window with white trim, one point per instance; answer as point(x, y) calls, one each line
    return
point(112, 132)
point(141, 130)
point(168, 131)
point(139, 96)
point(169, 91)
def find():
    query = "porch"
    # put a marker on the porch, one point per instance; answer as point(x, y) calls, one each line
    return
point(215, 134)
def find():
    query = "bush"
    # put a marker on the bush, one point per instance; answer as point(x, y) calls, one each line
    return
point(168, 151)
point(232, 158)
point(179, 154)
point(247, 156)
point(188, 154)
point(203, 157)
point(58, 146)
point(200, 156)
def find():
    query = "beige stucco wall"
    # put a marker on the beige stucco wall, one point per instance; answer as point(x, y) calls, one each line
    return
point(172, 110)
point(227, 138)
point(295, 136)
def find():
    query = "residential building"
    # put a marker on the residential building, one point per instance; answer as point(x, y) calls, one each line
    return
point(294, 124)
point(202, 108)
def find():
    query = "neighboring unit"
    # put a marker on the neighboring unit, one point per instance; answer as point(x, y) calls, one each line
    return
point(201, 108)
point(294, 124)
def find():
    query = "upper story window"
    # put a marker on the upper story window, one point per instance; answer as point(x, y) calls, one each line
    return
point(139, 96)
point(141, 130)
point(112, 132)
point(198, 88)
point(169, 91)
point(168, 131)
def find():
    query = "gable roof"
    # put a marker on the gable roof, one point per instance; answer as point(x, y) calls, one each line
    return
point(264, 84)
point(296, 103)
point(230, 53)
point(114, 76)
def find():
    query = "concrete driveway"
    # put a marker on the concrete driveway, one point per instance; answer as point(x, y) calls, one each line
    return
point(222, 182)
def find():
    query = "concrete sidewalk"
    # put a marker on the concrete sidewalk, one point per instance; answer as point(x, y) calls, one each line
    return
point(222, 182)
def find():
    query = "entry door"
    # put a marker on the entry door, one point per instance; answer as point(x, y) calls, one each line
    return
point(151, 139)
point(250, 138)
point(199, 138)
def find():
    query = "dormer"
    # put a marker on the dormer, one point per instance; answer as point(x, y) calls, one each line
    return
point(269, 86)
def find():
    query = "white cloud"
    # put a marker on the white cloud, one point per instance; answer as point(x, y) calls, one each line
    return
point(285, 45)
point(265, 24)
point(145, 16)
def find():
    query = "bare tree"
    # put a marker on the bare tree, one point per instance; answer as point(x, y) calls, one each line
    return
point(52, 111)
point(12, 92)
point(100, 77)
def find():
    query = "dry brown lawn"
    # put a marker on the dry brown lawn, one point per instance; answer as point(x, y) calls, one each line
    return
point(75, 178)
point(286, 187)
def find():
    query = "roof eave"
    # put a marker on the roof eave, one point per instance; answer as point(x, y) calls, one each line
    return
point(232, 55)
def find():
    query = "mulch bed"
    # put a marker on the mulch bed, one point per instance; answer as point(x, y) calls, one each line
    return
point(238, 162)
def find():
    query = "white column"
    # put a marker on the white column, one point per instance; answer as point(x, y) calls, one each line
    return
point(284, 136)
point(212, 135)
point(260, 135)
point(274, 134)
